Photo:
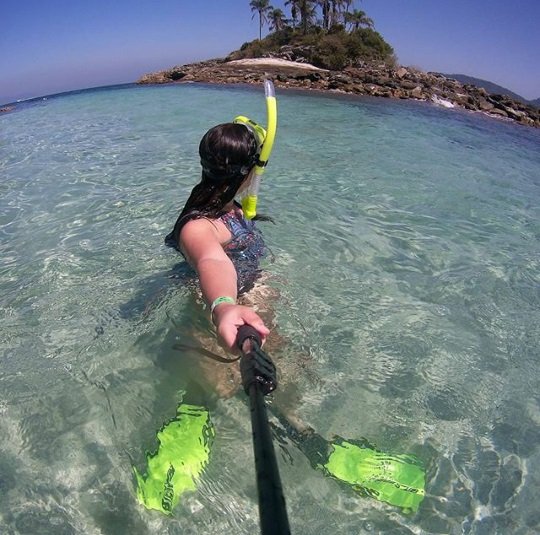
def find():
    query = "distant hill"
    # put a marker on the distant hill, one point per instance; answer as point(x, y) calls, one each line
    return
point(490, 87)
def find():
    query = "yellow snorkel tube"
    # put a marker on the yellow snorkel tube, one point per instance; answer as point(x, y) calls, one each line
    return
point(266, 139)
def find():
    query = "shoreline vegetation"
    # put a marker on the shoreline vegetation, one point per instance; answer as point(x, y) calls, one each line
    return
point(328, 46)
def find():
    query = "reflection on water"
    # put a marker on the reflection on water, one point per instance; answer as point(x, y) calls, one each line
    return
point(407, 273)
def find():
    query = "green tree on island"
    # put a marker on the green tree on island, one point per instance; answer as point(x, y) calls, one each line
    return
point(295, 8)
point(348, 4)
point(336, 11)
point(325, 8)
point(276, 20)
point(307, 14)
point(357, 18)
point(333, 12)
point(328, 33)
point(262, 7)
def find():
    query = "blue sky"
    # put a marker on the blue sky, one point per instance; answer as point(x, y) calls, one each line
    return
point(54, 46)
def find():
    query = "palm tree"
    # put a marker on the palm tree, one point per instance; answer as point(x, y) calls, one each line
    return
point(358, 18)
point(325, 8)
point(295, 8)
point(335, 11)
point(347, 4)
point(307, 13)
point(262, 7)
point(276, 20)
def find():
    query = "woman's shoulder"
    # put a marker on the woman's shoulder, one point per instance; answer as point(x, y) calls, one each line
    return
point(205, 228)
point(199, 224)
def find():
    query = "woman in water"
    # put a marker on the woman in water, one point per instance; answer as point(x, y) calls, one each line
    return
point(216, 239)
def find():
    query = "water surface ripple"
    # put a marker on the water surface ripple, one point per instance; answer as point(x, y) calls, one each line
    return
point(406, 277)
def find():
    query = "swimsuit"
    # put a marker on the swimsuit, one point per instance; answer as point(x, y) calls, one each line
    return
point(245, 248)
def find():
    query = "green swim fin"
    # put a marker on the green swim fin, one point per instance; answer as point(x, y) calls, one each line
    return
point(395, 479)
point(182, 454)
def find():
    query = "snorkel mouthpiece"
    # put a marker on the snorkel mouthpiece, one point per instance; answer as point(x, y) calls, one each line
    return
point(266, 139)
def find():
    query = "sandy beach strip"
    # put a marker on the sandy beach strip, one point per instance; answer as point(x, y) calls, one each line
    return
point(274, 62)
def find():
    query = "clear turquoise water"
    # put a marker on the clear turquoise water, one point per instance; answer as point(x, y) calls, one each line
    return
point(407, 259)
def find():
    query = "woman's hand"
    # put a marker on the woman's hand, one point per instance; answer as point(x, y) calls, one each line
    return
point(228, 318)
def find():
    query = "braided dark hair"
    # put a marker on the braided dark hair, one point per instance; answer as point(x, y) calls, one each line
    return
point(228, 153)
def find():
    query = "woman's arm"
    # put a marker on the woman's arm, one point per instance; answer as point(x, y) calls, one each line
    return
point(217, 276)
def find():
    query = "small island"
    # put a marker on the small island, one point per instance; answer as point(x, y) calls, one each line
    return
point(327, 46)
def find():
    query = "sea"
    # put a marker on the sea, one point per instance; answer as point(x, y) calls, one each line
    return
point(403, 278)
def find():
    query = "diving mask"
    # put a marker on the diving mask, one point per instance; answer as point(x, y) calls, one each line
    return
point(259, 133)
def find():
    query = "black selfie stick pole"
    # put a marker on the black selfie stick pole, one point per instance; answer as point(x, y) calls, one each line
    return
point(259, 379)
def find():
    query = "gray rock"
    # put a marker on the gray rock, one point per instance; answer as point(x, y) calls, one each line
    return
point(364, 78)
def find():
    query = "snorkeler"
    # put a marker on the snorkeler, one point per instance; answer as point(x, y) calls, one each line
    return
point(212, 233)
point(219, 239)
point(215, 234)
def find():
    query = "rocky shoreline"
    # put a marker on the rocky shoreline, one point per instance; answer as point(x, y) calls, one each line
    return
point(372, 80)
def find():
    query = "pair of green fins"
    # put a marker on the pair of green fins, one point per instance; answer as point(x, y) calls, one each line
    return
point(184, 451)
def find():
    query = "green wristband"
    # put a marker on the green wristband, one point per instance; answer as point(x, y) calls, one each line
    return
point(219, 300)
